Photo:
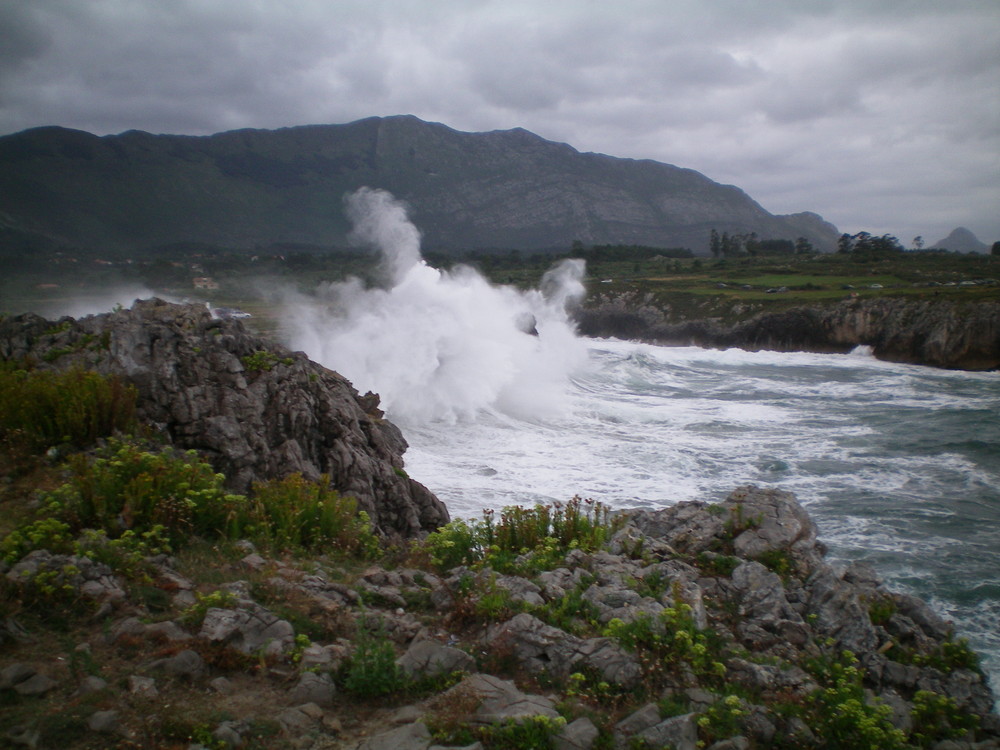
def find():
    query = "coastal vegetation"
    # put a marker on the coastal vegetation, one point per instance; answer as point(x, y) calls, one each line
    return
point(147, 606)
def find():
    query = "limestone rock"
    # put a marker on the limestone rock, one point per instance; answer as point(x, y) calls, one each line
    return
point(186, 664)
point(577, 735)
point(543, 648)
point(313, 688)
point(252, 629)
point(427, 658)
point(105, 722)
point(257, 411)
point(408, 737)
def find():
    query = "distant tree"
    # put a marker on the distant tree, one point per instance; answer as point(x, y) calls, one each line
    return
point(995, 250)
point(714, 243)
point(803, 246)
point(918, 243)
point(725, 245)
point(845, 243)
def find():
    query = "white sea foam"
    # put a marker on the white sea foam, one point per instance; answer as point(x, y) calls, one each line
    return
point(440, 345)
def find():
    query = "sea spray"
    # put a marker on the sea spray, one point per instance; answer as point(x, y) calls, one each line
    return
point(440, 345)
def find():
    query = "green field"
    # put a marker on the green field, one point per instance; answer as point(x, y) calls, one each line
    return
point(684, 288)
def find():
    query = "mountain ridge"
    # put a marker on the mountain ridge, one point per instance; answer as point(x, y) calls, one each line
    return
point(253, 187)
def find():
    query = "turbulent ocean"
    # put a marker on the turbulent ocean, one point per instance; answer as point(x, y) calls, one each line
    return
point(503, 404)
point(898, 464)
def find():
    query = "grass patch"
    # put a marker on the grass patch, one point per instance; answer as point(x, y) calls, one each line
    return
point(40, 409)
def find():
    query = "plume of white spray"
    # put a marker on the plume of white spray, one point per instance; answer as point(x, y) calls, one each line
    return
point(440, 345)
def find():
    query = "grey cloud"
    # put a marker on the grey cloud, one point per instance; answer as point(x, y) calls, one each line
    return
point(798, 103)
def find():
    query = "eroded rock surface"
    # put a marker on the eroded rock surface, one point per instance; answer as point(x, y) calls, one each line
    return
point(254, 409)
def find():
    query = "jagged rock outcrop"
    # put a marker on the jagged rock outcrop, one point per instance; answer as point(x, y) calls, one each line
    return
point(254, 409)
point(943, 334)
point(747, 649)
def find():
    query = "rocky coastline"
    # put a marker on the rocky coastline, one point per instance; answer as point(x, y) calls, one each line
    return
point(925, 332)
point(254, 409)
point(701, 625)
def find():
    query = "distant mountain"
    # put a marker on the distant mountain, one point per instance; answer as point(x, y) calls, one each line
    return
point(961, 240)
point(252, 188)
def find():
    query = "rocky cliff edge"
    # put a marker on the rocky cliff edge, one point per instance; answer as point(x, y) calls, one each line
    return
point(256, 411)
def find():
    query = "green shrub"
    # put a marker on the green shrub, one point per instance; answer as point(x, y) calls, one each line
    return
point(45, 533)
point(670, 640)
point(43, 409)
point(127, 554)
point(523, 540)
point(126, 487)
point(299, 514)
point(947, 656)
point(840, 712)
point(881, 609)
point(723, 719)
point(716, 564)
point(525, 733)
point(372, 670)
point(937, 717)
point(194, 615)
point(264, 360)
point(777, 561)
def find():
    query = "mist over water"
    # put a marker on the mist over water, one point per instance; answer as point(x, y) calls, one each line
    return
point(440, 345)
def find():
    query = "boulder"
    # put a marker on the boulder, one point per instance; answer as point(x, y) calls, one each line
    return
point(313, 688)
point(252, 629)
point(579, 734)
point(186, 664)
point(408, 737)
point(428, 658)
point(543, 648)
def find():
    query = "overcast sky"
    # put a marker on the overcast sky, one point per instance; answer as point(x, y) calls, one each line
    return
point(881, 115)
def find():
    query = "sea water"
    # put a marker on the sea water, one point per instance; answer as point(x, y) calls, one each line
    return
point(898, 464)
point(503, 404)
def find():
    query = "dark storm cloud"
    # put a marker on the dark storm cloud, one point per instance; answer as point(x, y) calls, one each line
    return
point(880, 114)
